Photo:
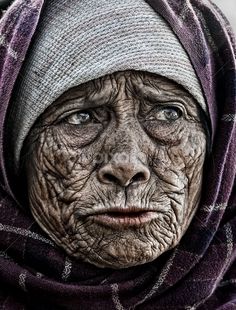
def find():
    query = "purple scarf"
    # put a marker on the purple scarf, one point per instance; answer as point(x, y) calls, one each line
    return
point(200, 273)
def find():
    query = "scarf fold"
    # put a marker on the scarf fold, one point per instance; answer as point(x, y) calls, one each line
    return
point(200, 273)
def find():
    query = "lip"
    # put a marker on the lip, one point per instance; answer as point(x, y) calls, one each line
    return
point(124, 218)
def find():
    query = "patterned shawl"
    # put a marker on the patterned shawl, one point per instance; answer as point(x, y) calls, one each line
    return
point(200, 273)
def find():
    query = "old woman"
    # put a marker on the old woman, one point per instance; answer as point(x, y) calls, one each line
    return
point(117, 155)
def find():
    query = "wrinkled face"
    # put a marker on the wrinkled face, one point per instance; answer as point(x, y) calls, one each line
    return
point(115, 168)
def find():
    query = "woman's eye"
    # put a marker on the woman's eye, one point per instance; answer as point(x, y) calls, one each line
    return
point(79, 118)
point(170, 114)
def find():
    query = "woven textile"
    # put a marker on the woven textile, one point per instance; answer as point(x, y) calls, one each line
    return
point(200, 273)
point(75, 44)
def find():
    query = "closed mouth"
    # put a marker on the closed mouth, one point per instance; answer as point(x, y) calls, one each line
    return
point(123, 218)
point(125, 214)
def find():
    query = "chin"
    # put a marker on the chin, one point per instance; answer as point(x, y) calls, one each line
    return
point(121, 258)
point(125, 249)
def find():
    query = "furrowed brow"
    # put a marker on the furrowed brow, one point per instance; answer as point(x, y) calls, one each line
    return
point(155, 94)
point(88, 96)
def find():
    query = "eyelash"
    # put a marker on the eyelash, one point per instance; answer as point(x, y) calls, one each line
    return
point(99, 115)
point(92, 113)
point(148, 114)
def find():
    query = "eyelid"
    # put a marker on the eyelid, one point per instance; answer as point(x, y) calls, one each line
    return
point(185, 102)
point(67, 114)
point(166, 105)
point(93, 112)
point(64, 108)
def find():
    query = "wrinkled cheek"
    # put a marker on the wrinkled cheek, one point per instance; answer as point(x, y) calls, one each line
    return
point(169, 167)
point(58, 177)
point(194, 158)
point(65, 161)
point(194, 148)
point(179, 171)
point(44, 208)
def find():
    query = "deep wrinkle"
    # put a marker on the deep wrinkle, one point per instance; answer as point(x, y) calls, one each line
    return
point(127, 157)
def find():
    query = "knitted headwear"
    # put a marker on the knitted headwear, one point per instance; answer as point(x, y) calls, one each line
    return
point(76, 43)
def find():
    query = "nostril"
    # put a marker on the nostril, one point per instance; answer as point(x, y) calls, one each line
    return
point(123, 175)
point(110, 178)
point(138, 177)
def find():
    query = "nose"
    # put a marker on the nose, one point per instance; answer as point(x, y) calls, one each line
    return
point(124, 174)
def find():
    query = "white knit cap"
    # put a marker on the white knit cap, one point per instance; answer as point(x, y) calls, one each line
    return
point(78, 41)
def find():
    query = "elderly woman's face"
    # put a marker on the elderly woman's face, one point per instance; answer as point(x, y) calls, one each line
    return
point(115, 168)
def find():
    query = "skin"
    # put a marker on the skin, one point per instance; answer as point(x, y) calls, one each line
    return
point(114, 168)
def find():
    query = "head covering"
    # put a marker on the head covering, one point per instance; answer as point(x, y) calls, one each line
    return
point(117, 36)
point(200, 272)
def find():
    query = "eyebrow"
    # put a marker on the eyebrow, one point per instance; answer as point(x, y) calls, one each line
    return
point(92, 98)
point(153, 94)
point(98, 97)
point(101, 98)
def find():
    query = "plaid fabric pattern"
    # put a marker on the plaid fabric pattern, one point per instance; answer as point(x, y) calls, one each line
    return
point(200, 273)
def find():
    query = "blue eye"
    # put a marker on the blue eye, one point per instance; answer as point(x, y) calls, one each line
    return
point(172, 114)
point(79, 118)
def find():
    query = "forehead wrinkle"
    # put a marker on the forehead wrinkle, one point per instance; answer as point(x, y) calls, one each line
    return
point(101, 91)
point(161, 89)
point(108, 90)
